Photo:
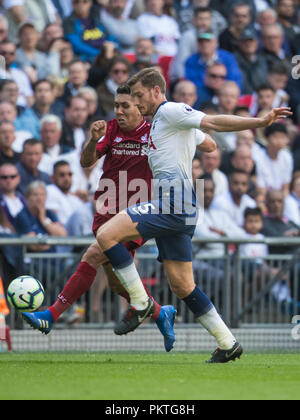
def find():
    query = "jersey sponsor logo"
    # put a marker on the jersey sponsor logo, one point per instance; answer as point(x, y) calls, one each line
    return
point(118, 140)
point(144, 139)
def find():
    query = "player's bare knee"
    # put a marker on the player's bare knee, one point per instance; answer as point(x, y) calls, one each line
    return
point(94, 257)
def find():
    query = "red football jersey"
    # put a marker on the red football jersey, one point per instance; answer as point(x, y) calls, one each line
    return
point(126, 178)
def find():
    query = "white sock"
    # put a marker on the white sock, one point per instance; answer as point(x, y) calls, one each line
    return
point(214, 324)
point(130, 279)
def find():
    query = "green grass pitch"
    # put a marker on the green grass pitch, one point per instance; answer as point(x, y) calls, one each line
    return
point(147, 376)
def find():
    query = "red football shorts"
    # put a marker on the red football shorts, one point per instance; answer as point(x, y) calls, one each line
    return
point(131, 246)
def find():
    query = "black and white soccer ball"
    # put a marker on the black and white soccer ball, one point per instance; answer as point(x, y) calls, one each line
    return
point(25, 294)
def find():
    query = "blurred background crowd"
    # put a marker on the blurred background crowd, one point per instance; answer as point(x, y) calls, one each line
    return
point(62, 61)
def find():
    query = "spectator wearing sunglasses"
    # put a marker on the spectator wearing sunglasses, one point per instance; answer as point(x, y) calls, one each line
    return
point(11, 202)
point(210, 53)
point(119, 72)
point(215, 77)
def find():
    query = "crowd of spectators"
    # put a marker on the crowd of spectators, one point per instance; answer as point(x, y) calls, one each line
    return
point(62, 61)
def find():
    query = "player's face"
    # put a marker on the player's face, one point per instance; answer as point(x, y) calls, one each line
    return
point(144, 99)
point(127, 114)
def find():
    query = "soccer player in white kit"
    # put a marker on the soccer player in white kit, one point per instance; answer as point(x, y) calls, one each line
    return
point(175, 135)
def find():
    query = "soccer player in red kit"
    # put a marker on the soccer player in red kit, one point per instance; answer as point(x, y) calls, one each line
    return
point(124, 142)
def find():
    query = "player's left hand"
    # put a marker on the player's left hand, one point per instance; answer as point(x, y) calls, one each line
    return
point(276, 115)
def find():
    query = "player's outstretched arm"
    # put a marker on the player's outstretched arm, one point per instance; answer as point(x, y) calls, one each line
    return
point(228, 123)
point(89, 155)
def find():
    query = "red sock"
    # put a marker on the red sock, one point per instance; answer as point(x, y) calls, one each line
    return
point(77, 285)
point(157, 311)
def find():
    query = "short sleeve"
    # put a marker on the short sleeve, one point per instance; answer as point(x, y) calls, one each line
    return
point(200, 137)
point(182, 116)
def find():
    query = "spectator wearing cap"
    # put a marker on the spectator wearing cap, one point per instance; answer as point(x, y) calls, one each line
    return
point(83, 29)
point(275, 166)
point(240, 18)
point(209, 53)
point(37, 65)
point(252, 64)
point(188, 41)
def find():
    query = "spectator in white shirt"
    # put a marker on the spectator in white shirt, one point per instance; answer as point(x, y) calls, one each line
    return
point(254, 257)
point(211, 163)
point(275, 168)
point(253, 226)
point(59, 196)
point(51, 130)
point(214, 224)
point(235, 201)
point(160, 27)
point(292, 202)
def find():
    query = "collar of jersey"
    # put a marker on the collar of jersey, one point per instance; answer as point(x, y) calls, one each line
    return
point(163, 103)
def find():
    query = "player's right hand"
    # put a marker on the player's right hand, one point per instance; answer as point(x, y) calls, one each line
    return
point(98, 130)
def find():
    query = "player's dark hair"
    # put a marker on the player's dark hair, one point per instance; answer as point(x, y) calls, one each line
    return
point(253, 212)
point(275, 128)
point(149, 78)
point(124, 89)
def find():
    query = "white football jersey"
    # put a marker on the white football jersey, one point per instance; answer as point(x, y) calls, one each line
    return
point(174, 136)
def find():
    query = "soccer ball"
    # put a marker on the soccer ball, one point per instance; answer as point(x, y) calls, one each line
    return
point(26, 294)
